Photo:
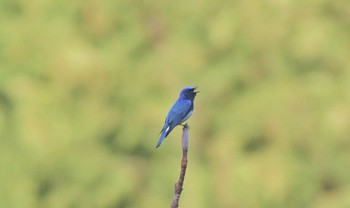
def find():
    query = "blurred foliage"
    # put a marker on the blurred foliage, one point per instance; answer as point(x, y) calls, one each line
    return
point(85, 87)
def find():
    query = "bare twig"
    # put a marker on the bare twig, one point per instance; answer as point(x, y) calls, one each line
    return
point(179, 184)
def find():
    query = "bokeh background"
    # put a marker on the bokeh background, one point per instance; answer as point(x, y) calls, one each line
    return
point(85, 87)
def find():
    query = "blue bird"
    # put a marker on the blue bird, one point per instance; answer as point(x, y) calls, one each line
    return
point(180, 112)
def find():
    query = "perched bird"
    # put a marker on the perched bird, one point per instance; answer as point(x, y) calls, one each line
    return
point(180, 112)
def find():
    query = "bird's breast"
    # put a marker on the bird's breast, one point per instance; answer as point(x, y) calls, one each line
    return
point(187, 116)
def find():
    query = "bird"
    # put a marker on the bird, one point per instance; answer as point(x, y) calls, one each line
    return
point(179, 112)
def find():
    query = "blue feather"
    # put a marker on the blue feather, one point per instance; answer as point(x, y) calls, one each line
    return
point(179, 112)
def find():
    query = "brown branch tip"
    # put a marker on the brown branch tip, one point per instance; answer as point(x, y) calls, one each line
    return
point(179, 184)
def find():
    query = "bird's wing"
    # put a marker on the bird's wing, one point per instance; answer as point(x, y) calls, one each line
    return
point(178, 112)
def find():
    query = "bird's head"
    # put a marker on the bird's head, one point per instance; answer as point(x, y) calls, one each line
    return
point(189, 93)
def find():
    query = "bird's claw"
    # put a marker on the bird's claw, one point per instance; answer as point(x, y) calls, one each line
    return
point(185, 125)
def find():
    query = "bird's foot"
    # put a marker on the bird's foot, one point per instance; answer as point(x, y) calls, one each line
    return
point(185, 125)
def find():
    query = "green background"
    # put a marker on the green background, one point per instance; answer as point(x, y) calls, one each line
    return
point(85, 87)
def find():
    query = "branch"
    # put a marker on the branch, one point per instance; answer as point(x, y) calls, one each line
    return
point(179, 184)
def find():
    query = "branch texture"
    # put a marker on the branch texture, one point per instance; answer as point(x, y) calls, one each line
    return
point(179, 184)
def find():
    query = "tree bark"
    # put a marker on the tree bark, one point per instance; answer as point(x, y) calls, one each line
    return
point(179, 184)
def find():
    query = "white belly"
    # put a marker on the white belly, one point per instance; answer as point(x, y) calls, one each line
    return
point(187, 116)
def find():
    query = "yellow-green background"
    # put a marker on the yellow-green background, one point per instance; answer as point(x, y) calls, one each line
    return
point(85, 87)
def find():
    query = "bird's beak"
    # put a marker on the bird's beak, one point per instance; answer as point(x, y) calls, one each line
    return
point(195, 89)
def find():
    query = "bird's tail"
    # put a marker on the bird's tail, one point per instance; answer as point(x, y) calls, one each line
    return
point(163, 135)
